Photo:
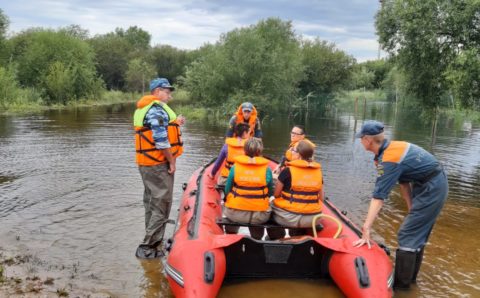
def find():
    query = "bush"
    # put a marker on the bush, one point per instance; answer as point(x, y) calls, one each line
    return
point(8, 86)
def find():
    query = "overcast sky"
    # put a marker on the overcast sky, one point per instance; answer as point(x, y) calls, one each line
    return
point(188, 24)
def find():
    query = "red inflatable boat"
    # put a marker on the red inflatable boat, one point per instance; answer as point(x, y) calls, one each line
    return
point(201, 256)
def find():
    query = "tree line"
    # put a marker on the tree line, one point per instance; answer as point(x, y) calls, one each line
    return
point(433, 59)
point(434, 46)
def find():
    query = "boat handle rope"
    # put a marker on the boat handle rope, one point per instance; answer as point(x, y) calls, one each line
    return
point(316, 217)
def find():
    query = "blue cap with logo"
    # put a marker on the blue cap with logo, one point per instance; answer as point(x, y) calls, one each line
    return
point(246, 106)
point(370, 128)
point(160, 83)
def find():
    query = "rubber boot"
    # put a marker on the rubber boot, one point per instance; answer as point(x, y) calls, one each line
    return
point(418, 262)
point(404, 269)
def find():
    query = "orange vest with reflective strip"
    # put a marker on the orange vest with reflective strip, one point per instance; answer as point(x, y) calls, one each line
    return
point(235, 148)
point(307, 183)
point(249, 191)
point(395, 151)
point(293, 145)
point(146, 153)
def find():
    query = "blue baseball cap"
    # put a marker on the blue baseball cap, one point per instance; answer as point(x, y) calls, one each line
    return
point(160, 83)
point(246, 106)
point(370, 128)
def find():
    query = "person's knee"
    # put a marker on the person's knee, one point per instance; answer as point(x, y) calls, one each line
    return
point(256, 233)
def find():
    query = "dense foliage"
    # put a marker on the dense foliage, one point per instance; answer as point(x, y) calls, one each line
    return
point(59, 64)
point(436, 47)
point(268, 64)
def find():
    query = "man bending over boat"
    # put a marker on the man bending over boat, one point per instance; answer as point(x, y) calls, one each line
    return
point(246, 113)
point(298, 192)
point(249, 186)
point(424, 187)
point(232, 148)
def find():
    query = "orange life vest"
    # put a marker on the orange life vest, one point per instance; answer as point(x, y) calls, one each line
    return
point(235, 148)
point(307, 183)
point(146, 153)
point(249, 191)
point(293, 145)
point(252, 121)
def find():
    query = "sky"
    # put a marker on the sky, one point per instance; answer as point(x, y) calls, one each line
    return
point(188, 24)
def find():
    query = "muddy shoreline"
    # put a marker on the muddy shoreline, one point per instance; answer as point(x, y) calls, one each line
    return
point(25, 275)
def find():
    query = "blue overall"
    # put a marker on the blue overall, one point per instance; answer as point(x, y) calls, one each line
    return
point(404, 162)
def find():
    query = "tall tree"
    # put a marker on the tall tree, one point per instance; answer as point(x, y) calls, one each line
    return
point(432, 38)
point(326, 67)
point(260, 63)
point(169, 61)
point(115, 49)
point(4, 22)
point(44, 56)
point(138, 74)
point(112, 56)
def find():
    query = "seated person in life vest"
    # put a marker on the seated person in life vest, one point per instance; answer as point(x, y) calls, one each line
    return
point(248, 188)
point(246, 113)
point(298, 193)
point(296, 135)
point(232, 148)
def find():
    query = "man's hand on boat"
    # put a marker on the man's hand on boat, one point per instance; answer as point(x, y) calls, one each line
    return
point(364, 240)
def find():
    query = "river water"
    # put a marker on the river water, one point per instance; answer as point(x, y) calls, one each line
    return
point(71, 196)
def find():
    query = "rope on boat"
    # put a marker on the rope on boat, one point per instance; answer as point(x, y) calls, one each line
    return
point(316, 217)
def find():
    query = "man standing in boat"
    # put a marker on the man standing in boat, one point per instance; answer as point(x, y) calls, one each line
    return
point(423, 186)
point(157, 144)
point(246, 113)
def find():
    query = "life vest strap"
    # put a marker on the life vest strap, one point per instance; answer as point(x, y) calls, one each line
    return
point(141, 135)
point(146, 150)
point(302, 193)
point(249, 187)
point(303, 201)
point(152, 158)
point(260, 196)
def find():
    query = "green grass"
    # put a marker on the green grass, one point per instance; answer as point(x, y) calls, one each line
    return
point(31, 102)
point(461, 116)
point(351, 95)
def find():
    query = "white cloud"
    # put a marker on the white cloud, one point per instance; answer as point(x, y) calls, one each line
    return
point(308, 27)
point(188, 24)
point(363, 44)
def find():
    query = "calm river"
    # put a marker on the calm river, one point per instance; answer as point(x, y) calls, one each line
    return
point(71, 197)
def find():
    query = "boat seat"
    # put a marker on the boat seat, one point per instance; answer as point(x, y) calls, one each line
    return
point(269, 224)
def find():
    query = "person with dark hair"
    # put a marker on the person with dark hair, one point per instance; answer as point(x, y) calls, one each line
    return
point(232, 148)
point(158, 144)
point(296, 135)
point(246, 113)
point(423, 186)
point(248, 188)
point(298, 192)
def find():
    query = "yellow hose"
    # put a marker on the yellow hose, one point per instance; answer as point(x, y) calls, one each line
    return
point(316, 217)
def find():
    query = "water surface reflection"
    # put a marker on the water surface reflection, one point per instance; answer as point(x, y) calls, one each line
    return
point(71, 193)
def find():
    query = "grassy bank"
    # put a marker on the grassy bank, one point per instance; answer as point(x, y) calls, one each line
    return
point(348, 97)
point(30, 102)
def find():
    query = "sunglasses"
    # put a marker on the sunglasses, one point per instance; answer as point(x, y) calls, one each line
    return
point(296, 133)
